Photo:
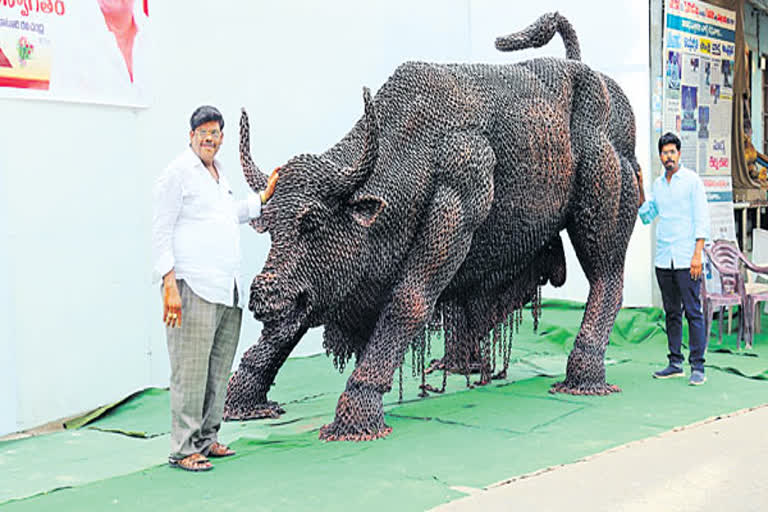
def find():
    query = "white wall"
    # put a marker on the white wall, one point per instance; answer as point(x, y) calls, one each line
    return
point(8, 401)
point(83, 320)
point(76, 203)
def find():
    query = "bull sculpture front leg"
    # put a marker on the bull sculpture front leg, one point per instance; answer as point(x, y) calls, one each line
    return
point(461, 202)
point(247, 388)
point(359, 412)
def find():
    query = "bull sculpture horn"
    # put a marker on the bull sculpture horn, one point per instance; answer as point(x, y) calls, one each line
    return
point(255, 178)
point(355, 176)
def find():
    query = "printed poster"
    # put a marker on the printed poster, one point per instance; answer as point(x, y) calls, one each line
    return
point(90, 51)
point(699, 48)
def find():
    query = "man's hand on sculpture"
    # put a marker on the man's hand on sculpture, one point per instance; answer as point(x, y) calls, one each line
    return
point(696, 266)
point(271, 183)
point(171, 301)
point(641, 189)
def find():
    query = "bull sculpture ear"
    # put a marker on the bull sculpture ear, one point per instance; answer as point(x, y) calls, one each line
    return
point(352, 177)
point(365, 209)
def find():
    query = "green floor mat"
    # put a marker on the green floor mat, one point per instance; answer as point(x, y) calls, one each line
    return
point(145, 415)
point(470, 438)
point(463, 438)
point(45, 463)
point(308, 388)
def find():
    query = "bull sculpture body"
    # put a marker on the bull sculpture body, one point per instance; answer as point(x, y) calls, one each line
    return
point(447, 198)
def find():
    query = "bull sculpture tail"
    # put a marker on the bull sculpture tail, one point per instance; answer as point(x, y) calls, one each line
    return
point(539, 33)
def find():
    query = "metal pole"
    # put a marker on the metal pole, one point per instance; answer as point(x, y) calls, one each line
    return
point(656, 25)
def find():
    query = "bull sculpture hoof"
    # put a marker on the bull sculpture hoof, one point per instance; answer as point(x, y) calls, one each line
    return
point(359, 417)
point(599, 389)
point(265, 410)
point(334, 432)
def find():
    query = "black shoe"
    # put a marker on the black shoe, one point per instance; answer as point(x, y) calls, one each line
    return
point(669, 372)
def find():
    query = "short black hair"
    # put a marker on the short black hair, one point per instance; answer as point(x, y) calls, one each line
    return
point(205, 114)
point(669, 138)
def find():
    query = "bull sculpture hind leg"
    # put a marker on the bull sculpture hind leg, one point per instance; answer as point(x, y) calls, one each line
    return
point(462, 200)
point(600, 226)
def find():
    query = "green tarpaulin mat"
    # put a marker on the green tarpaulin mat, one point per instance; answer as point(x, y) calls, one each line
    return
point(468, 438)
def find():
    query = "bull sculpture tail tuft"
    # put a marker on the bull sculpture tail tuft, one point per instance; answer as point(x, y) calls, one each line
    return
point(539, 33)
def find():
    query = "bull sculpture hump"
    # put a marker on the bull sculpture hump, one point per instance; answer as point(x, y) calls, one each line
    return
point(444, 205)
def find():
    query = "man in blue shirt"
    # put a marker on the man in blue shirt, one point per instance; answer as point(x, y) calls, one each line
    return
point(680, 203)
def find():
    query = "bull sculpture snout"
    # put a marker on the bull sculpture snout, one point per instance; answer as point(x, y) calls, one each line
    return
point(272, 302)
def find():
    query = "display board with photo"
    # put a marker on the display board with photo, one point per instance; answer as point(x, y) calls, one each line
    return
point(699, 48)
point(90, 51)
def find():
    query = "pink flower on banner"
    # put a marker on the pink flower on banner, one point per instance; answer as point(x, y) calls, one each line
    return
point(25, 49)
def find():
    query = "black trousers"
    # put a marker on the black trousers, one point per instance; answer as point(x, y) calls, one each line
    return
point(680, 292)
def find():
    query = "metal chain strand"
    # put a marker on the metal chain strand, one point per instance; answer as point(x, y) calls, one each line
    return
point(443, 206)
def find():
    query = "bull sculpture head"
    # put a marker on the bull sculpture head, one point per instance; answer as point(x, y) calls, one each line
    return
point(318, 218)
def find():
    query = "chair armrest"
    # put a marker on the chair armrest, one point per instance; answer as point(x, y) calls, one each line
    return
point(721, 270)
point(758, 269)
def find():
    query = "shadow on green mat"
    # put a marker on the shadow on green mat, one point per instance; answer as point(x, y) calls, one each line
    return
point(468, 438)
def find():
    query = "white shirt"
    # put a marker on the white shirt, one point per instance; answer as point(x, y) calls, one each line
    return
point(195, 228)
point(681, 205)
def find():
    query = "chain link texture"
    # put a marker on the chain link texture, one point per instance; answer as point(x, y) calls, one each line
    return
point(440, 212)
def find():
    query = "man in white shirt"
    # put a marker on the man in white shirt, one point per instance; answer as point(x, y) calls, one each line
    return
point(196, 244)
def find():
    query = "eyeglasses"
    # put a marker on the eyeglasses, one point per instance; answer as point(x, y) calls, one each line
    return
point(215, 134)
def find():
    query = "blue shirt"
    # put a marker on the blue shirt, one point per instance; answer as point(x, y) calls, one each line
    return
point(681, 206)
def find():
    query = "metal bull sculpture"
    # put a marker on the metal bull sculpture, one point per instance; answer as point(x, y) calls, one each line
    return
point(444, 204)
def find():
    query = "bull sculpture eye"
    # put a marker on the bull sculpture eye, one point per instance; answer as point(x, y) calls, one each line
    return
point(310, 220)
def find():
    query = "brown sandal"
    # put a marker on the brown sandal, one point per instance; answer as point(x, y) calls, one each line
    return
point(220, 450)
point(194, 462)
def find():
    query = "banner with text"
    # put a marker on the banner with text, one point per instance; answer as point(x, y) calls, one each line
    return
point(699, 49)
point(90, 51)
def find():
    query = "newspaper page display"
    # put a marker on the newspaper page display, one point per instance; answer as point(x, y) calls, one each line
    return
point(699, 48)
point(699, 51)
